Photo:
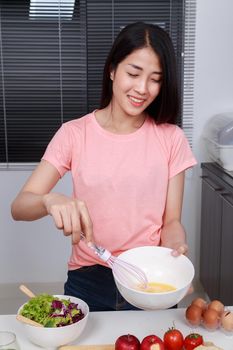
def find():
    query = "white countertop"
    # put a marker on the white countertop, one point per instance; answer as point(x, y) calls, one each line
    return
point(106, 327)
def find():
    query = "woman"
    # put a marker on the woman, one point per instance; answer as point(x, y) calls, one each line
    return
point(128, 162)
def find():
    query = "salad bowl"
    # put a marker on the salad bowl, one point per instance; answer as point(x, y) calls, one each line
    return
point(54, 337)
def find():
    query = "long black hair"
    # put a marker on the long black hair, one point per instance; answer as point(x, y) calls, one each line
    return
point(165, 107)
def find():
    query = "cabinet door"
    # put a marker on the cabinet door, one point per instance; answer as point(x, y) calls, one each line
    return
point(226, 272)
point(210, 238)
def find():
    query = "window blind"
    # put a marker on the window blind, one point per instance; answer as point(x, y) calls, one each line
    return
point(52, 55)
point(43, 60)
point(188, 65)
point(106, 18)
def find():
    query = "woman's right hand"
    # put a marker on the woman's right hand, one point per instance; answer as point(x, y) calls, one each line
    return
point(36, 200)
point(70, 215)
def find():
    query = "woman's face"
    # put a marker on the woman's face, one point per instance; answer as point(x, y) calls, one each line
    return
point(136, 82)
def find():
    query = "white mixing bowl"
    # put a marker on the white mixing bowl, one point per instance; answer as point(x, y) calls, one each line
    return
point(51, 338)
point(161, 267)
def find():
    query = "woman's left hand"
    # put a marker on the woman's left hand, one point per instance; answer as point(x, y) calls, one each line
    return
point(179, 248)
point(173, 236)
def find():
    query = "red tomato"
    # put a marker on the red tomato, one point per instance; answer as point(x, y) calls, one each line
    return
point(192, 340)
point(152, 342)
point(173, 339)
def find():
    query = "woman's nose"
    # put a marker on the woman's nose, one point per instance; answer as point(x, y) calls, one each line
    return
point(141, 86)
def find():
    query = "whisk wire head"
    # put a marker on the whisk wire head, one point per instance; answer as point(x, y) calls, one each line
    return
point(126, 272)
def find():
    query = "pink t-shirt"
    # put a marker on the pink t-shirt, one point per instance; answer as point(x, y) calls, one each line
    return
point(123, 180)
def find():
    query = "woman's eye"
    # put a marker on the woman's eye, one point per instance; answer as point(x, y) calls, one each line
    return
point(132, 75)
point(157, 81)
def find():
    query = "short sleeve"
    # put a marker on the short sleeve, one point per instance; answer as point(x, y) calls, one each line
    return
point(181, 156)
point(58, 151)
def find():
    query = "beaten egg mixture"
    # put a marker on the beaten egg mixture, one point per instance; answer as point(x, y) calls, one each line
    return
point(154, 287)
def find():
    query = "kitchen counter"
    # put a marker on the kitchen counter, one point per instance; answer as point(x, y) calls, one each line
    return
point(106, 327)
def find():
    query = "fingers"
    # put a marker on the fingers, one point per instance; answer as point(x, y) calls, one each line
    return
point(67, 219)
point(71, 216)
point(191, 289)
point(180, 249)
point(62, 218)
point(86, 222)
point(75, 223)
point(57, 218)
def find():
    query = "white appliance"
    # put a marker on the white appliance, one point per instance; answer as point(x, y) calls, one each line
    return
point(218, 139)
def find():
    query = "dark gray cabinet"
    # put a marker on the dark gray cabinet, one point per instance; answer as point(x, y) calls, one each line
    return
point(216, 250)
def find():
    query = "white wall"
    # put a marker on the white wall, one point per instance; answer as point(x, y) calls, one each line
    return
point(37, 252)
point(30, 251)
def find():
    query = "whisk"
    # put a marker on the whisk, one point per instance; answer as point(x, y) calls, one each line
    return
point(127, 273)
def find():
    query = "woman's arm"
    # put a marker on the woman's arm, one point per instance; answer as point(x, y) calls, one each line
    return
point(35, 201)
point(29, 204)
point(173, 234)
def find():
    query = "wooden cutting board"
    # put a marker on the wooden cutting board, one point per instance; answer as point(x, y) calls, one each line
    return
point(88, 347)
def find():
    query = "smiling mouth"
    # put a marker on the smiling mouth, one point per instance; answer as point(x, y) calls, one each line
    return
point(136, 101)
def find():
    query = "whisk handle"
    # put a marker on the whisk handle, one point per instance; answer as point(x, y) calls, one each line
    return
point(102, 253)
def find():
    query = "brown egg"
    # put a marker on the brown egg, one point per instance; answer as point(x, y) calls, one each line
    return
point(216, 305)
point(193, 315)
point(200, 302)
point(211, 319)
point(227, 320)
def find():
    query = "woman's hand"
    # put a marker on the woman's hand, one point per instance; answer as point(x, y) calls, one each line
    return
point(169, 239)
point(179, 248)
point(36, 200)
point(173, 236)
point(70, 215)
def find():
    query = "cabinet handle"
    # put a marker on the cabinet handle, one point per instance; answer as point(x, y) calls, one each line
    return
point(227, 197)
point(213, 185)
